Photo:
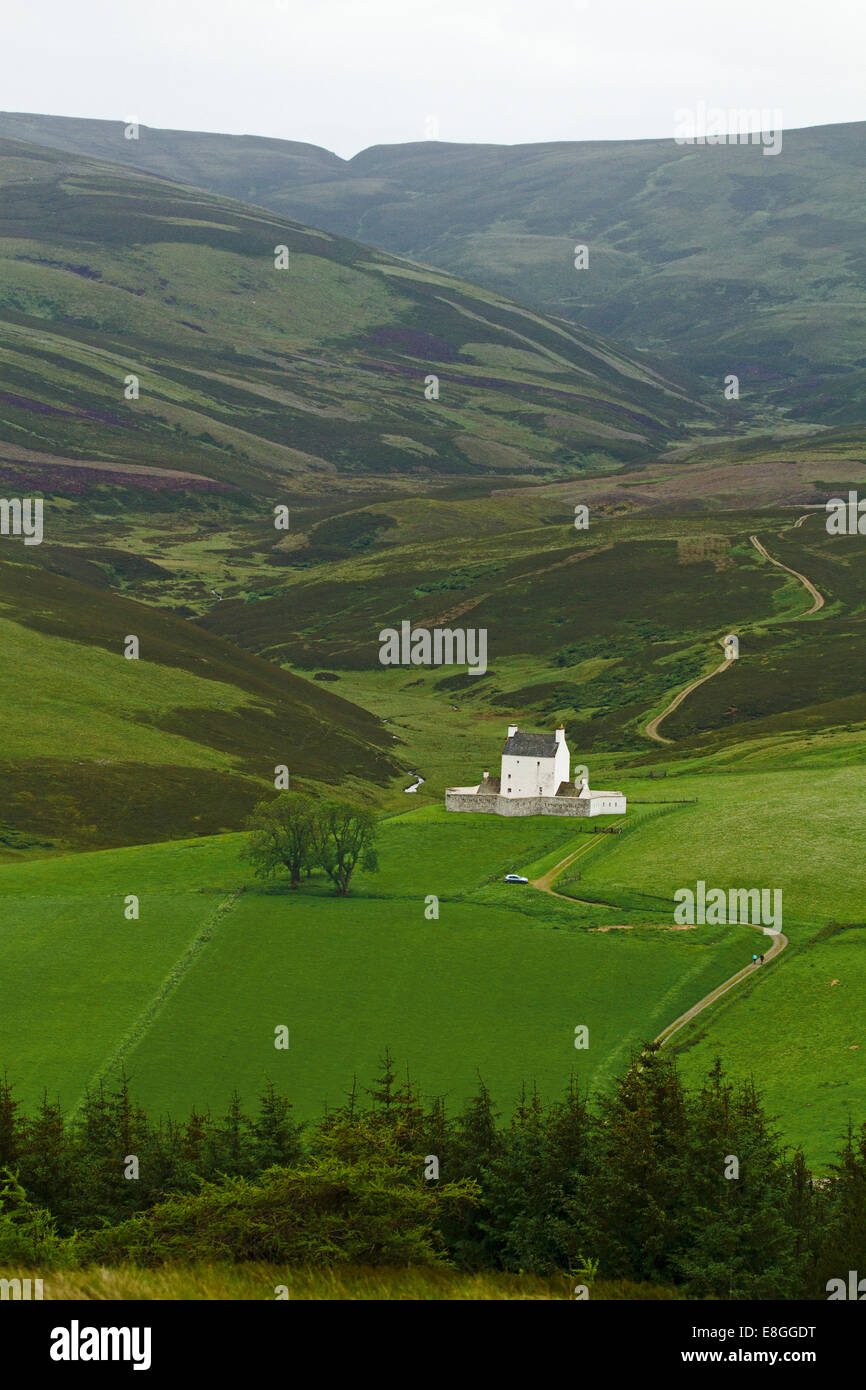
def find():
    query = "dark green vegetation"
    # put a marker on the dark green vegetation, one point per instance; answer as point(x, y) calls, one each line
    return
point(632, 1186)
point(718, 257)
point(596, 628)
point(294, 833)
point(799, 674)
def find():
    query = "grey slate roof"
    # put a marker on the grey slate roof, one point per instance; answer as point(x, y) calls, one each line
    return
point(531, 745)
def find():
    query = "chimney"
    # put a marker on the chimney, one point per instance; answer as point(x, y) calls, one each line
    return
point(512, 730)
point(560, 733)
point(486, 773)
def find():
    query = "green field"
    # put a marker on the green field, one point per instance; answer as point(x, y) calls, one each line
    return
point(102, 750)
point(732, 838)
point(188, 996)
point(495, 987)
point(796, 1032)
point(799, 1031)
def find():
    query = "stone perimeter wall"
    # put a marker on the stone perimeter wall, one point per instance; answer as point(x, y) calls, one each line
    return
point(494, 804)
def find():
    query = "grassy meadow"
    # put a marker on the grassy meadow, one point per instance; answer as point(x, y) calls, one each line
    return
point(184, 741)
point(188, 996)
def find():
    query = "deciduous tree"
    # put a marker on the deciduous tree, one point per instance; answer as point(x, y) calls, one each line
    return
point(283, 836)
point(345, 837)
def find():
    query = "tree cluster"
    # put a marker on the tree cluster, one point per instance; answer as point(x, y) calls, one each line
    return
point(649, 1183)
point(296, 834)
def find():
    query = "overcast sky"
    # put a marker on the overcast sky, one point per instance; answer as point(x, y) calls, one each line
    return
point(351, 73)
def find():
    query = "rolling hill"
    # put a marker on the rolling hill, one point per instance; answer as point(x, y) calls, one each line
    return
point(717, 258)
point(308, 379)
point(101, 750)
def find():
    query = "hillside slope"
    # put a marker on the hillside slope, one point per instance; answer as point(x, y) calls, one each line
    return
point(310, 377)
point(723, 258)
point(101, 750)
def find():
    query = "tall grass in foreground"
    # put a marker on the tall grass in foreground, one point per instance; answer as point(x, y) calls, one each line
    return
point(261, 1281)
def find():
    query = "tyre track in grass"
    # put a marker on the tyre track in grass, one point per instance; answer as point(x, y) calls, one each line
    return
point(652, 728)
point(545, 881)
point(158, 1001)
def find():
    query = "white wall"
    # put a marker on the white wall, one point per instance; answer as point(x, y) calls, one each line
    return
point(606, 804)
point(527, 776)
point(563, 763)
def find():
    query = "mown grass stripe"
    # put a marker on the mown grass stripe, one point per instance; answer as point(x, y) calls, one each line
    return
point(154, 1007)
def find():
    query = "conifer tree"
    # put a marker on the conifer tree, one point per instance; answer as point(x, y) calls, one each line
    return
point(438, 1138)
point(407, 1117)
point(382, 1090)
point(630, 1196)
point(844, 1232)
point(732, 1184)
point(522, 1201)
point(47, 1161)
point(198, 1144)
point(476, 1143)
point(10, 1126)
point(232, 1149)
point(805, 1215)
point(276, 1138)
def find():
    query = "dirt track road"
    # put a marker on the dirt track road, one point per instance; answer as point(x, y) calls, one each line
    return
point(546, 881)
point(817, 598)
point(652, 728)
point(780, 941)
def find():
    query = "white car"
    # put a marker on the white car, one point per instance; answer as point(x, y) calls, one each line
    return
point(515, 878)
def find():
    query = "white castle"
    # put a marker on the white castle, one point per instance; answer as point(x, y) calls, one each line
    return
point(534, 780)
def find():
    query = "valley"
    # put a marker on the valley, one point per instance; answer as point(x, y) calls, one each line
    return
point(305, 390)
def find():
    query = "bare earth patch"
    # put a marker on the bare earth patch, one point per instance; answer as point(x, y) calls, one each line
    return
point(655, 926)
